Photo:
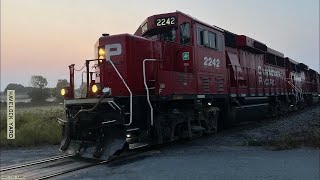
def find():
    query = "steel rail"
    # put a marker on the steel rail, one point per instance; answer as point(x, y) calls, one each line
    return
point(114, 160)
point(34, 162)
point(70, 170)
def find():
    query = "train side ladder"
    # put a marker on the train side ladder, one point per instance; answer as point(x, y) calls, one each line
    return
point(148, 88)
point(297, 91)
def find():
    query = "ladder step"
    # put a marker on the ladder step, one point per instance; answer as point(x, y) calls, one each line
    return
point(137, 145)
point(197, 128)
point(152, 80)
point(152, 88)
point(108, 122)
point(62, 121)
point(133, 129)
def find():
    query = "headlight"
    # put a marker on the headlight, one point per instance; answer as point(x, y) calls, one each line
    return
point(102, 53)
point(95, 88)
point(63, 91)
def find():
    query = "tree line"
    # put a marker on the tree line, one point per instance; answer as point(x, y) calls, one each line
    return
point(38, 92)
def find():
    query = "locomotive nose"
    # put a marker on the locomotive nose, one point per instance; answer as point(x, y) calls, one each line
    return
point(97, 132)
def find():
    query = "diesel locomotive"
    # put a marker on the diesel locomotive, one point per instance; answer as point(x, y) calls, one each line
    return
point(177, 77)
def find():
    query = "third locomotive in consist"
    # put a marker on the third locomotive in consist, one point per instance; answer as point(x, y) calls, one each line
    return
point(178, 77)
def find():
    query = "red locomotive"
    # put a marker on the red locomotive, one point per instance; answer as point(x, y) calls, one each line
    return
point(178, 77)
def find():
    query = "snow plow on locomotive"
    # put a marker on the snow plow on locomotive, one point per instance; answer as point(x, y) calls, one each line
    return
point(177, 77)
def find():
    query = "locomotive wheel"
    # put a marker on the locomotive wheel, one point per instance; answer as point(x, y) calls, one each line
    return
point(212, 122)
point(279, 108)
point(275, 109)
point(229, 117)
point(209, 119)
point(157, 129)
point(100, 145)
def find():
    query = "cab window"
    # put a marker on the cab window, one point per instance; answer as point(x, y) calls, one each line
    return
point(200, 31)
point(212, 40)
point(165, 34)
point(185, 33)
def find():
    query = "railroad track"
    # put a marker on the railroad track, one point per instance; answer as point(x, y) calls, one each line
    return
point(59, 165)
point(31, 163)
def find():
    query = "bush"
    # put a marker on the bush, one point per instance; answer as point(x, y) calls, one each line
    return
point(38, 95)
point(33, 128)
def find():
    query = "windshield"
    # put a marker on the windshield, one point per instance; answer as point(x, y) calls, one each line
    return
point(164, 34)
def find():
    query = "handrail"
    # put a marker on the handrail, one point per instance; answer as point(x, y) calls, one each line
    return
point(124, 82)
point(146, 87)
point(89, 110)
point(297, 89)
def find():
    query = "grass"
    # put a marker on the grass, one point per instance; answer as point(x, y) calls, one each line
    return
point(22, 107)
point(33, 127)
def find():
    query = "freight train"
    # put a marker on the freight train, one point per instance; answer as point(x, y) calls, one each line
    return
point(177, 78)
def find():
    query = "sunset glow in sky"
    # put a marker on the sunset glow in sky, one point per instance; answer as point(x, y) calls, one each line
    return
point(43, 37)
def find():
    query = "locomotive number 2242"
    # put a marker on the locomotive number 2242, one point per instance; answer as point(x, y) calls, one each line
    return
point(166, 21)
point(208, 61)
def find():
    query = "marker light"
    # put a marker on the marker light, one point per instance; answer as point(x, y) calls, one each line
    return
point(95, 88)
point(102, 53)
point(63, 92)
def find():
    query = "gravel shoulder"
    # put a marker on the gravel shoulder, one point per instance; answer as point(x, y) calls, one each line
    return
point(301, 129)
point(296, 130)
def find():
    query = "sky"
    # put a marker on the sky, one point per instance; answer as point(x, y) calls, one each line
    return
point(43, 37)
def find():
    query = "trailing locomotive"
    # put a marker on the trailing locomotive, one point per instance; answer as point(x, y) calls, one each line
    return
point(175, 78)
